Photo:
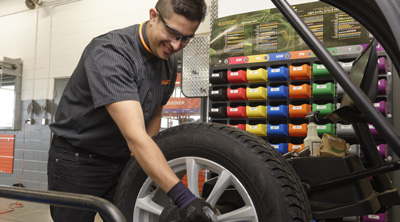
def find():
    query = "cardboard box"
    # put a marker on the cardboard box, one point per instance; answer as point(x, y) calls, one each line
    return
point(333, 146)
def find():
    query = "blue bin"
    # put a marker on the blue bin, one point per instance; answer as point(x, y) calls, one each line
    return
point(278, 74)
point(280, 130)
point(280, 92)
point(281, 111)
point(281, 147)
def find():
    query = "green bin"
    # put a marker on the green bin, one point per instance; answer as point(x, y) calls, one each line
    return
point(323, 90)
point(329, 128)
point(324, 109)
point(320, 71)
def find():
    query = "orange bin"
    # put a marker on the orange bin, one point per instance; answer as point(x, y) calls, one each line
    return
point(299, 111)
point(298, 130)
point(300, 72)
point(298, 147)
point(302, 91)
point(239, 76)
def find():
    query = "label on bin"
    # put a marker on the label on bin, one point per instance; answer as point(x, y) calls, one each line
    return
point(214, 110)
point(377, 104)
point(321, 87)
point(297, 107)
point(297, 127)
point(234, 91)
point(252, 127)
point(275, 90)
point(253, 90)
point(371, 127)
point(346, 127)
point(321, 107)
point(376, 217)
point(298, 88)
point(296, 147)
point(254, 72)
point(234, 73)
point(275, 146)
point(253, 109)
point(234, 109)
point(320, 67)
point(275, 108)
point(214, 92)
point(275, 127)
point(321, 127)
point(297, 68)
point(215, 75)
point(275, 70)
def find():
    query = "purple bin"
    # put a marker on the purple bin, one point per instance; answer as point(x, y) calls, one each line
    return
point(383, 87)
point(376, 218)
point(383, 150)
point(382, 65)
point(382, 107)
point(374, 132)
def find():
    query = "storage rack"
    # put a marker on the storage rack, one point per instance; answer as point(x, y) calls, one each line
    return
point(264, 125)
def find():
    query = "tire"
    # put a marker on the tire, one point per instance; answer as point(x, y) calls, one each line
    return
point(266, 182)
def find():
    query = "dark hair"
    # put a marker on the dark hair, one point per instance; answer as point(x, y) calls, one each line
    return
point(194, 10)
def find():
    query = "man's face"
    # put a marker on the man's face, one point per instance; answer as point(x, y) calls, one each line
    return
point(167, 36)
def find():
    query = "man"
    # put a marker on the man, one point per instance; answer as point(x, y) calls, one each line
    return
point(112, 105)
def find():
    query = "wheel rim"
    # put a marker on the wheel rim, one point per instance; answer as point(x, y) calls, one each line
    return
point(151, 200)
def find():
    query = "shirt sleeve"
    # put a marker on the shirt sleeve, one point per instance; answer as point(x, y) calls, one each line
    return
point(111, 76)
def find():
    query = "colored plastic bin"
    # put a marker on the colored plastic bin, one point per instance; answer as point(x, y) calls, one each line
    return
point(345, 131)
point(259, 129)
point(328, 128)
point(280, 111)
point(276, 93)
point(256, 112)
point(299, 110)
point(346, 66)
point(383, 65)
point(298, 130)
point(281, 147)
point(239, 126)
point(320, 71)
point(218, 77)
point(383, 87)
point(236, 112)
point(237, 76)
point(259, 75)
point(302, 91)
point(237, 94)
point(280, 130)
point(218, 112)
point(382, 107)
point(278, 74)
point(383, 217)
point(259, 93)
point(374, 132)
point(295, 147)
point(324, 109)
point(218, 95)
point(323, 90)
point(383, 150)
point(300, 72)
point(339, 89)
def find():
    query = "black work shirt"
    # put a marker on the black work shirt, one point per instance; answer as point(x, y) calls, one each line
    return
point(113, 67)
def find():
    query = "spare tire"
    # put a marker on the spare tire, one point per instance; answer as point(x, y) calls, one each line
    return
point(266, 182)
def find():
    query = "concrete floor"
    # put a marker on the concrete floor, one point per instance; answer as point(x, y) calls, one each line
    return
point(28, 212)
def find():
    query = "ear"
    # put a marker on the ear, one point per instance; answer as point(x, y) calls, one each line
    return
point(153, 15)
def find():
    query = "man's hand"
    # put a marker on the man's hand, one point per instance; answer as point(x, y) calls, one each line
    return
point(191, 208)
point(198, 211)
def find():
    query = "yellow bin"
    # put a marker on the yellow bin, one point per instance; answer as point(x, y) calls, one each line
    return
point(259, 93)
point(256, 112)
point(259, 75)
point(258, 130)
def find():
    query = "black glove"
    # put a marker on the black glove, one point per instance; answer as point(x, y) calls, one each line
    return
point(198, 211)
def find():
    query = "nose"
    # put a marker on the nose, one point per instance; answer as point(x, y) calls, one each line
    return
point(176, 45)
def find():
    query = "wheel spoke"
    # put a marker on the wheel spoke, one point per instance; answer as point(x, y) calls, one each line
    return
point(192, 170)
point(242, 214)
point(147, 204)
point(224, 180)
